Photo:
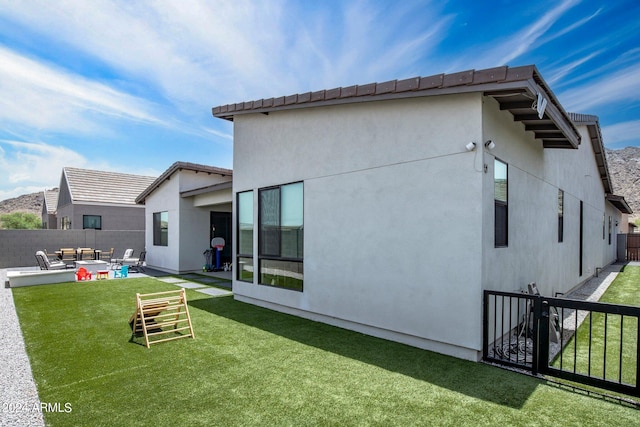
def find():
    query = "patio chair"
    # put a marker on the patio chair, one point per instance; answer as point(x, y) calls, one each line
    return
point(52, 257)
point(107, 255)
point(83, 274)
point(68, 256)
point(136, 265)
point(128, 254)
point(87, 254)
point(122, 273)
point(45, 264)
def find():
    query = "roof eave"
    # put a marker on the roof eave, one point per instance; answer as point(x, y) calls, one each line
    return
point(495, 82)
point(620, 203)
point(208, 189)
point(176, 167)
point(595, 136)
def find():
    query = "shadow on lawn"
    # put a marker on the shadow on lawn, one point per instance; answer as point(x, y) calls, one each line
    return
point(472, 379)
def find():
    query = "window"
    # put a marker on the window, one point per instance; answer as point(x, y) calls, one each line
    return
point(560, 215)
point(501, 192)
point(610, 227)
point(92, 221)
point(280, 236)
point(65, 224)
point(245, 236)
point(161, 228)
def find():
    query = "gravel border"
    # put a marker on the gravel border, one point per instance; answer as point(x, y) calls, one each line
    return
point(19, 401)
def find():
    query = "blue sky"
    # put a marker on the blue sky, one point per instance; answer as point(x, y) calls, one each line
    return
point(129, 86)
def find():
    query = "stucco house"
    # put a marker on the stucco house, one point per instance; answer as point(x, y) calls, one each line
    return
point(100, 200)
point(388, 208)
point(185, 208)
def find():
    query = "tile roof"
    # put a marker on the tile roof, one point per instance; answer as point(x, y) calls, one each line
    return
point(515, 88)
point(92, 186)
point(51, 200)
point(595, 135)
point(178, 166)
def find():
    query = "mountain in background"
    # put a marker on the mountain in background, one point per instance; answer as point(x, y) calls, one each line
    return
point(624, 168)
point(30, 203)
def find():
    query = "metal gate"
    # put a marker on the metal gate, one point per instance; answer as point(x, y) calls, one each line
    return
point(591, 343)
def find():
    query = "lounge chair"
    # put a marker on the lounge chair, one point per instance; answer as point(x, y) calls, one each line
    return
point(128, 254)
point(45, 264)
point(136, 265)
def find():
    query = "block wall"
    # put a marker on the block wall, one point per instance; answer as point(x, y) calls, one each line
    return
point(18, 247)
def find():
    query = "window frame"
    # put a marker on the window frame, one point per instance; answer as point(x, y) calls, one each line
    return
point(560, 216)
point(158, 231)
point(84, 219)
point(267, 257)
point(501, 206)
point(239, 254)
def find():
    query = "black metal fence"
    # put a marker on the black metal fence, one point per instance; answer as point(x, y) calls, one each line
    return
point(586, 342)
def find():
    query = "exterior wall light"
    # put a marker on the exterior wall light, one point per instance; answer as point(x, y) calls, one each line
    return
point(490, 145)
point(470, 146)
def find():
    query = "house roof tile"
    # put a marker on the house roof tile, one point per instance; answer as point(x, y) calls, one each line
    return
point(92, 186)
point(515, 88)
point(51, 200)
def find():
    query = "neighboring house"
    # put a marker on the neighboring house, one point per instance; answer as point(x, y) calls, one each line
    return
point(100, 200)
point(186, 207)
point(388, 208)
point(627, 226)
point(49, 219)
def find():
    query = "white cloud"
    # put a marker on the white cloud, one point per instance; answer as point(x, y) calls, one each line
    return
point(209, 53)
point(512, 46)
point(620, 86)
point(44, 96)
point(571, 27)
point(562, 71)
point(29, 167)
point(621, 132)
point(522, 41)
point(33, 165)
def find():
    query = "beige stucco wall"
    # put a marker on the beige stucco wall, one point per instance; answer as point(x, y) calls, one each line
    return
point(188, 224)
point(390, 248)
point(535, 176)
point(399, 216)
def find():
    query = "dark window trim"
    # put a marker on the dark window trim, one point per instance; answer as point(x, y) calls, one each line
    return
point(91, 228)
point(560, 216)
point(270, 257)
point(238, 253)
point(501, 203)
point(157, 232)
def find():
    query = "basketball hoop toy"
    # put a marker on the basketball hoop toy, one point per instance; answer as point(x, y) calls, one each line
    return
point(218, 244)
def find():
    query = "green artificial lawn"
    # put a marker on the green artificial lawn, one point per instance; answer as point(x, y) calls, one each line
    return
point(625, 289)
point(252, 366)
